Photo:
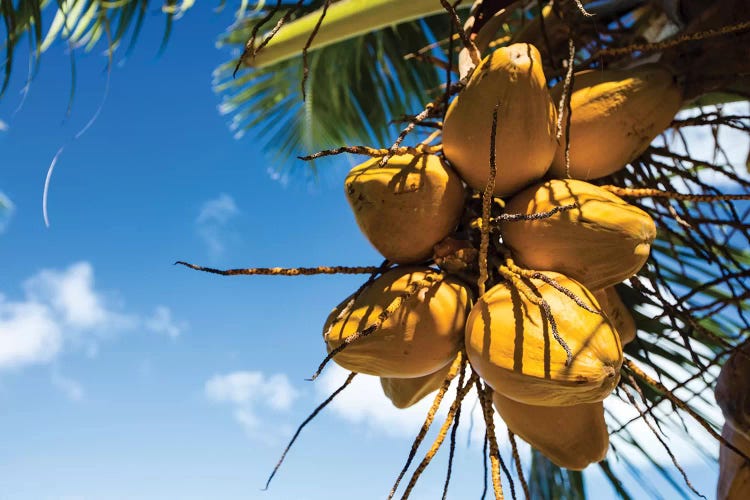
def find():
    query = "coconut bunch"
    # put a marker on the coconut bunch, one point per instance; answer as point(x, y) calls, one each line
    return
point(514, 238)
point(505, 252)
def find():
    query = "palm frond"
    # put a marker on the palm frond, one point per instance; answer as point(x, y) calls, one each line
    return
point(547, 481)
point(354, 88)
point(79, 23)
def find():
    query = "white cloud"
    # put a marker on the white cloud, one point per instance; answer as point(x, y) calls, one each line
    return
point(251, 393)
point(3, 126)
point(219, 210)
point(161, 321)
point(29, 334)
point(212, 220)
point(62, 308)
point(7, 208)
point(71, 294)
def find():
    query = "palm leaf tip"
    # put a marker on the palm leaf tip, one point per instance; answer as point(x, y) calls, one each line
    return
point(343, 20)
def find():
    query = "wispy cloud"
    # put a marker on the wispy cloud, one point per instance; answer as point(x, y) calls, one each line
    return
point(161, 321)
point(71, 388)
point(251, 394)
point(212, 221)
point(70, 294)
point(29, 334)
point(3, 126)
point(7, 208)
point(64, 308)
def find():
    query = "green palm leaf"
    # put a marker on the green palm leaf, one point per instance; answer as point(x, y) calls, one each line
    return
point(354, 88)
point(79, 23)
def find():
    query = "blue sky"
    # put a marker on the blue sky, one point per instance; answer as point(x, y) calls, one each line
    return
point(123, 376)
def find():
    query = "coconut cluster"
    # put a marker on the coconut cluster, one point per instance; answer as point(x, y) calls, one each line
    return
point(548, 332)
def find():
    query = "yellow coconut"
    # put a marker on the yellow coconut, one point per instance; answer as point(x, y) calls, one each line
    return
point(407, 206)
point(405, 392)
point(510, 344)
point(419, 338)
point(572, 437)
point(512, 79)
point(618, 313)
point(600, 242)
point(734, 469)
point(615, 116)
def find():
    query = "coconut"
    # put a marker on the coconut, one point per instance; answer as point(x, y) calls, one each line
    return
point(600, 242)
point(510, 344)
point(406, 392)
point(618, 313)
point(570, 436)
point(406, 206)
point(615, 116)
point(417, 339)
point(734, 469)
point(732, 391)
point(512, 79)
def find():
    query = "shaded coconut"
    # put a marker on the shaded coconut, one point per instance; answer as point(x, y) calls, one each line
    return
point(572, 437)
point(600, 242)
point(417, 339)
point(732, 390)
point(615, 116)
point(734, 469)
point(512, 79)
point(406, 392)
point(509, 341)
point(407, 206)
point(618, 313)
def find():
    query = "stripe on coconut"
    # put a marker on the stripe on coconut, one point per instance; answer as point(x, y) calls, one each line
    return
point(510, 343)
point(417, 338)
point(512, 79)
point(407, 206)
point(615, 116)
point(598, 240)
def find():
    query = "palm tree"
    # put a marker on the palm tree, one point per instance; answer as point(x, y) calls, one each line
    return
point(332, 77)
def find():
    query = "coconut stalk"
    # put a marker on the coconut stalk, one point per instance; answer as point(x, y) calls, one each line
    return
point(343, 20)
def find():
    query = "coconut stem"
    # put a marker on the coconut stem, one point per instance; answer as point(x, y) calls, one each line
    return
point(517, 461)
point(420, 149)
point(633, 368)
point(487, 207)
point(305, 422)
point(485, 399)
point(645, 48)
point(462, 390)
point(656, 434)
point(658, 193)
point(459, 363)
point(283, 271)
